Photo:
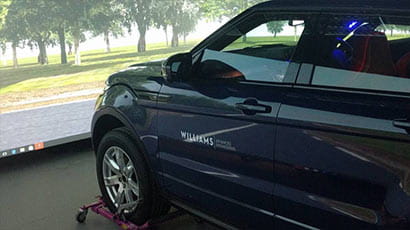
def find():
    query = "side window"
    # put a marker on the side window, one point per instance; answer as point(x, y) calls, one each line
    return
point(259, 49)
point(364, 53)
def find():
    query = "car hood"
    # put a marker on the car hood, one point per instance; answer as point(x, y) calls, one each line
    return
point(141, 77)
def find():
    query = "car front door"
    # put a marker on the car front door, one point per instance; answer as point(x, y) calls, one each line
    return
point(217, 128)
point(343, 146)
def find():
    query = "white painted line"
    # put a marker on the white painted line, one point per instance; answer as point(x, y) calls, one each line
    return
point(205, 135)
point(228, 130)
point(60, 96)
point(317, 138)
point(352, 154)
point(296, 222)
point(46, 106)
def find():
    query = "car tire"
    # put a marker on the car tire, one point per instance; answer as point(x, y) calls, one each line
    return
point(124, 179)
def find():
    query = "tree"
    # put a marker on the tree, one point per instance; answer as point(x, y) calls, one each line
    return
point(188, 25)
point(160, 17)
point(61, 16)
point(276, 27)
point(3, 12)
point(183, 17)
point(189, 19)
point(14, 29)
point(77, 33)
point(216, 9)
point(3, 51)
point(403, 28)
point(38, 21)
point(29, 20)
point(77, 24)
point(71, 20)
point(104, 20)
point(4, 4)
point(391, 28)
point(137, 12)
point(78, 21)
point(69, 42)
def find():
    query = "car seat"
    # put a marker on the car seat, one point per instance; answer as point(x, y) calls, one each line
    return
point(403, 66)
point(372, 54)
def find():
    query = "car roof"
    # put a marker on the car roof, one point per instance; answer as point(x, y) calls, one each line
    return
point(390, 5)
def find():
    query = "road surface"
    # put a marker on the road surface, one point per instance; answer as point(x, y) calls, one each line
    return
point(51, 125)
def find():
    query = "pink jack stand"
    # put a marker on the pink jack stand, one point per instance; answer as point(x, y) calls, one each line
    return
point(101, 209)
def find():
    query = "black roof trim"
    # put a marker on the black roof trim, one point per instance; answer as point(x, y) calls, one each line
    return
point(335, 4)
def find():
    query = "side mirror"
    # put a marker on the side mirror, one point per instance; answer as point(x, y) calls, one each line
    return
point(177, 67)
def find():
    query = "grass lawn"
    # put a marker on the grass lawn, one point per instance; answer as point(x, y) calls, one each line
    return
point(96, 66)
point(397, 36)
point(260, 41)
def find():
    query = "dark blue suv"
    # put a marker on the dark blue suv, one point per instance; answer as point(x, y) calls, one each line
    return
point(291, 116)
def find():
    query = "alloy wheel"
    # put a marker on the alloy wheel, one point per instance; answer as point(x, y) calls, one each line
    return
point(121, 180)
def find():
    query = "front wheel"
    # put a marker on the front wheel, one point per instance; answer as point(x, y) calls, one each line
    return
point(124, 178)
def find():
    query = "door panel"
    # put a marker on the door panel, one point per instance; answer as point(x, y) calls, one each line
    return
point(217, 134)
point(213, 155)
point(346, 165)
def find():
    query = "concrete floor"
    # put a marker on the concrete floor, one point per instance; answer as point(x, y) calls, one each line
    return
point(43, 190)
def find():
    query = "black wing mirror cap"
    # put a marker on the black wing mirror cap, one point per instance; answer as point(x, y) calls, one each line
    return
point(177, 67)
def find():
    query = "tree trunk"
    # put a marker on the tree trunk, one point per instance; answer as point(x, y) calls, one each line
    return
point(166, 35)
point(185, 35)
point(244, 5)
point(3, 57)
point(296, 33)
point(391, 32)
point(175, 38)
point(61, 38)
point(141, 41)
point(70, 48)
point(244, 38)
point(77, 50)
point(42, 57)
point(275, 34)
point(15, 62)
point(107, 41)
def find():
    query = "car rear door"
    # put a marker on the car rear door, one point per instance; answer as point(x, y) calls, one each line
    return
point(217, 129)
point(343, 145)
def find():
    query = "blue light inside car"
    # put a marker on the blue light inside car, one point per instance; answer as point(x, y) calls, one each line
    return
point(353, 24)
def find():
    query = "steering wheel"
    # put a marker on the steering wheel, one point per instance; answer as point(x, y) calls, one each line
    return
point(343, 53)
point(346, 48)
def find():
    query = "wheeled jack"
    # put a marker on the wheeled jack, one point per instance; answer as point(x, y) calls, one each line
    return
point(101, 209)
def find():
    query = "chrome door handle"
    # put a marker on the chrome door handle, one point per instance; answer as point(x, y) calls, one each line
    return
point(251, 107)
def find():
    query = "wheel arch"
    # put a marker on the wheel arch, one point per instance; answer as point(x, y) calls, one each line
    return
point(108, 119)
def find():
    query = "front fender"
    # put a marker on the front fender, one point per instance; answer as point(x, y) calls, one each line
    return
point(120, 106)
